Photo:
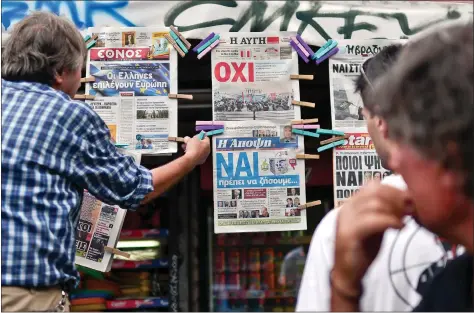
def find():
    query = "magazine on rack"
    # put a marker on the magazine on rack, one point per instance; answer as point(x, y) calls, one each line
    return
point(98, 227)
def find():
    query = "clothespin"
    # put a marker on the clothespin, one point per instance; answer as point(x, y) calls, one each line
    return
point(90, 41)
point(211, 35)
point(209, 127)
point(308, 121)
point(215, 132)
point(329, 45)
point(301, 77)
point(301, 52)
point(309, 204)
point(327, 55)
point(188, 45)
point(176, 139)
point(121, 145)
point(333, 139)
point(117, 252)
point(180, 96)
point(304, 126)
point(175, 45)
point(304, 44)
point(331, 145)
point(303, 104)
point(203, 46)
point(330, 132)
point(205, 51)
point(209, 123)
point(202, 134)
point(304, 133)
point(178, 41)
point(84, 97)
point(308, 156)
point(89, 79)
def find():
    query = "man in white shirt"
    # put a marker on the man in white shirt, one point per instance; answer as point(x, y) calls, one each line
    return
point(408, 258)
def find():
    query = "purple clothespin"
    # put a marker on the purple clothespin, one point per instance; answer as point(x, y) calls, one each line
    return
point(211, 35)
point(327, 55)
point(300, 53)
point(305, 45)
point(208, 127)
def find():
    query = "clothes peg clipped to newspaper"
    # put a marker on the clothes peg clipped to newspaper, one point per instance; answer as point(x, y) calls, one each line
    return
point(331, 145)
point(178, 41)
point(209, 123)
point(304, 133)
point(301, 77)
point(309, 204)
point(176, 139)
point(90, 41)
point(175, 45)
point(330, 132)
point(84, 97)
point(308, 156)
point(186, 43)
point(303, 103)
point(201, 135)
point(88, 79)
point(208, 127)
point(299, 49)
point(327, 55)
point(305, 126)
point(117, 252)
point(333, 139)
point(215, 132)
point(308, 121)
point(180, 96)
point(328, 46)
point(207, 45)
point(121, 145)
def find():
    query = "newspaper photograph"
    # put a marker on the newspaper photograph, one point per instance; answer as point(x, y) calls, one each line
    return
point(99, 226)
point(258, 182)
point(355, 164)
point(251, 77)
point(344, 68)
point(135, 70)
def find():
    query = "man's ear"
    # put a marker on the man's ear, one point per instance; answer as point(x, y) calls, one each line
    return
point(58, 78)
point(382, 126)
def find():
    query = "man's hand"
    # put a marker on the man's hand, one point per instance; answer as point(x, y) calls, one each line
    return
point(197, 150)
point(361, 223)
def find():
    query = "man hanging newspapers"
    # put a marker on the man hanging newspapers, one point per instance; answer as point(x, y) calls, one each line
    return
point(52, 149)
point(408, 259)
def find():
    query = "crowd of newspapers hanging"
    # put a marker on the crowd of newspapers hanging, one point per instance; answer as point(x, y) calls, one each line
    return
point(259, 182)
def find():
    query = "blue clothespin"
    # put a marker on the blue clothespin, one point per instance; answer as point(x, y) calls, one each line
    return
point(178, 41)
point(304, 132)
point(331, 145)
point(328, 46)
point(215, 132)
point(87, 38)
point(121, 145)
point(329, 132)
point(202, 134)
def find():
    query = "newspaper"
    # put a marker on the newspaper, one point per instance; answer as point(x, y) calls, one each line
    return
point(355, 163)
point(251, 77)
point(344, 68)
point(135, 70)
point(99, 226)
point(258, 183)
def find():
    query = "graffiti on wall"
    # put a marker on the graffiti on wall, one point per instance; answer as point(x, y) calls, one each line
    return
point(325, 19)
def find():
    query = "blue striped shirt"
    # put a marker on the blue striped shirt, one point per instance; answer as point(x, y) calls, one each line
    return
point(52, 149)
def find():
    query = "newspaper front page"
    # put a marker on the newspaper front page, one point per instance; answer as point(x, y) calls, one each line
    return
point(99, 226)
point(344, 68)
point(135, 70)
point(258, 182)
point(251, 77)
point(355, 164)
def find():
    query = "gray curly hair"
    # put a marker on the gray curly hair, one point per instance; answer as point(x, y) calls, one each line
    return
point(41, 46)
point(427, 98)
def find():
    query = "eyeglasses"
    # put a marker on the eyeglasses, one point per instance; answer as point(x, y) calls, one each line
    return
point(362, 70)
